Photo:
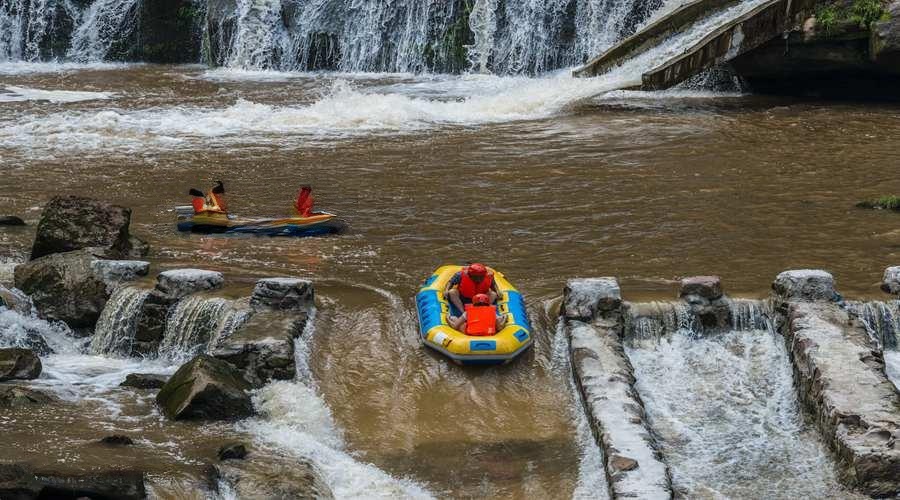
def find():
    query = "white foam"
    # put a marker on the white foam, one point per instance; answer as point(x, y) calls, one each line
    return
point(18, 94)
point(892, 366)
point(12, 68)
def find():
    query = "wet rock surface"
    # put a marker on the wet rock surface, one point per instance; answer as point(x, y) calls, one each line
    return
point(63, 287)
point(707, 301)
point(232, 451)
point(19, 364)
point(885, 39)
point(11, 220)
point(205, 388)
point(263, 478)
point(283, 294)
point(840, 376)
point(263, 347)
point(805, 284)
point(605, 379)
point(15, 300)
point(585, 298)
point(13, 396)
point(890, 283)
point(71, 223)
point(144, 381)
point(117, 440)
point(179, 283)
point(114, 272)
point(20, 482)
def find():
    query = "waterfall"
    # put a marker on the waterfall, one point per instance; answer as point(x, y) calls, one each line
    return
point(882, 320)
point(197, 322)
point(114, 334)
point(103, 24)
point(655, 320)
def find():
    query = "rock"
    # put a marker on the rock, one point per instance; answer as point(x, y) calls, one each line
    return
point(63, 287)
point(11, 220)
point(615, 413)
point(586, 298)
point(707, 287)
point(73, 223)
point(19, 364)
point(151, 324)
point(262, 478)
point(805, 284)
point(117, 440)
point(707, 301)
point(884, 42)
point(283, 294)
point(14, 299)
point(18, 483)
point(179, 283)
point(839, 374)
point(12, 396)
point(144, 381)
point(205, 388)
point(114, 272)
point(103, 484)
point(233, 451)
point(891, 281)
point(263, 347)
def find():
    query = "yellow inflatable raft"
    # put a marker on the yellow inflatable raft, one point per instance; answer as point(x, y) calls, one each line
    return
point(437, 334)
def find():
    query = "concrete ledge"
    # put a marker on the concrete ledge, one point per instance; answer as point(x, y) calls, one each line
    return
point(841, 380)
point(650, 36)
point(890, 283)
point(605, 380)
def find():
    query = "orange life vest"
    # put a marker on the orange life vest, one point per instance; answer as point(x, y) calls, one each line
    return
point(468, 288)
point(481, 321)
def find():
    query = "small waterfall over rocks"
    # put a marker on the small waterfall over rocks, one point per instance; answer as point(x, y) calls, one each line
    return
point(114, 334)
point(882, 320)
point(654, 320)
point(197, 322)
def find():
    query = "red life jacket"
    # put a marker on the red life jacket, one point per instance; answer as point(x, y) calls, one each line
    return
point(469, 289)
point(481, 321)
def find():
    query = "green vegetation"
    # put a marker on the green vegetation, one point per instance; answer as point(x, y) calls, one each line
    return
point(859, 12)
point(449, 52)
point(883, 203)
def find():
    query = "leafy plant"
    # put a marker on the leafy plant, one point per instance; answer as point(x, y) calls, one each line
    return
point(882, 203)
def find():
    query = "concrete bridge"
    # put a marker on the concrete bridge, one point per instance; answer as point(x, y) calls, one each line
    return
point(746, 32)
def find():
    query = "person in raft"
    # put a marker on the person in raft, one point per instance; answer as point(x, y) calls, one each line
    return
point(212, 201)
point(462, 288)
point(480, 319)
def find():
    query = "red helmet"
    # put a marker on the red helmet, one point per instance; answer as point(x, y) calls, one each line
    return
point(481, 299)
point(477, 269)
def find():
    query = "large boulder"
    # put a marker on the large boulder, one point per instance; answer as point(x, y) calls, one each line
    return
point(116, 272)
point(73, 223)
point(884, 45)
point(63, 287)
point(890, 283)
point(19, 364)
point(261, 477)
point(205, 388)
point(13, 396)
point(20, 482)
point(263, 347)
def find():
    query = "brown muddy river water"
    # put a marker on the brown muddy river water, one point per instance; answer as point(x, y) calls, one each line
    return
point(545, 178)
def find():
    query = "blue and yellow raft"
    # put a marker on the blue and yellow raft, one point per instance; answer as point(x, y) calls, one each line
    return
point(500, 348)
point(317, 224)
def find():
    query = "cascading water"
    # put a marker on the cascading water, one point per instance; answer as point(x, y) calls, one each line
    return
point(726, 414)
point(104, 23)
point(197, 322)
point(882, 320)
point(654, 320)
point(114, 333)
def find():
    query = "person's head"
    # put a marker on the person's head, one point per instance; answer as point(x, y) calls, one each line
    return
point(477, 272)
point(481, 299)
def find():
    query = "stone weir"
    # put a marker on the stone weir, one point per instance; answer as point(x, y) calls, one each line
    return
point(593, 315)
point(837, 360)
point(840, 374)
